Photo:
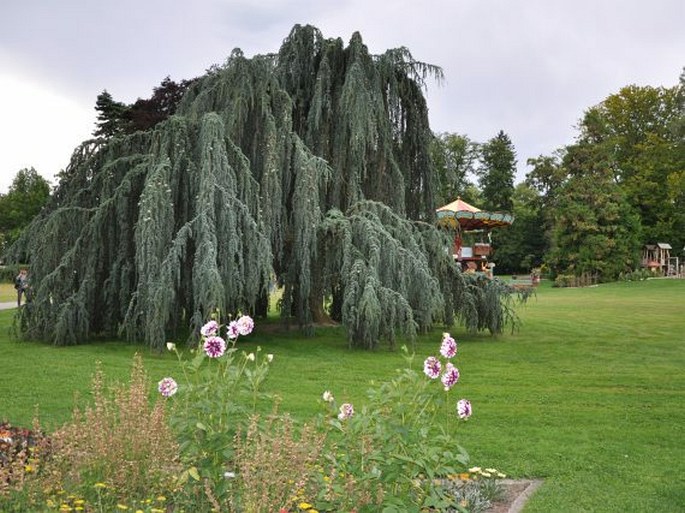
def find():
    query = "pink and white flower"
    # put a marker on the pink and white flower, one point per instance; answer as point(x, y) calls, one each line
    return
point(346, 411)
point(214, 347)
point(448, 348)
point(167, 387)
point(450, 376)
point(464, 409)
point(210, 329)
point(245, 325)
point(233, 330)
point(432, 367)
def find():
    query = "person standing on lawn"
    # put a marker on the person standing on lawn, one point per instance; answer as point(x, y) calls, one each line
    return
point(21, 284)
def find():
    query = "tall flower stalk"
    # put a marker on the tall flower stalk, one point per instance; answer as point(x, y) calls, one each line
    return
point(395, 449)
point(220, 391)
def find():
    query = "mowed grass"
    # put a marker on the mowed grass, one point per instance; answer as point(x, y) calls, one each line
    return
point(588, 395)
point(8, 293)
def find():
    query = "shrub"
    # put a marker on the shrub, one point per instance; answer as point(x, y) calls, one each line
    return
point(475, 490)
point(570, 280)
point(120, 441)
point(635, 275)
point(276, 464)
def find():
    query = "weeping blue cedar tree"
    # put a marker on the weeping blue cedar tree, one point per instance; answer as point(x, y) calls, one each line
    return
point(310, 166)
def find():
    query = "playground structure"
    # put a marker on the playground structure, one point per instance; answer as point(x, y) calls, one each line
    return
point(657, 258)
point(472, 246)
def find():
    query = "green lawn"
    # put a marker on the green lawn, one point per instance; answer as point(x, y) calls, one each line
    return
point(589, 395)
point(7, 292)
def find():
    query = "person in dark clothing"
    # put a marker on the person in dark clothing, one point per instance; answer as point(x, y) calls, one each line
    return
point(21, 284)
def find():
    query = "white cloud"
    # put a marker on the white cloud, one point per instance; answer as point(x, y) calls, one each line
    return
point(40, 128)
point(528, 67)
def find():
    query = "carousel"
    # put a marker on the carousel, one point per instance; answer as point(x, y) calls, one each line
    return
point(472, 226)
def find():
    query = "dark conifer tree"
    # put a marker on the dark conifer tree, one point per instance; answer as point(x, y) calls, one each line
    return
point(111, 116)
point(496, 173)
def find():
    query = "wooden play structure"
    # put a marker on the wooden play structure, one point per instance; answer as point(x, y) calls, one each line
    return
point(657, 258)
point(472, 247)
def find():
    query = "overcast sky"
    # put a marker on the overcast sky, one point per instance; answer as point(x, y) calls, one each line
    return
point(528, 67)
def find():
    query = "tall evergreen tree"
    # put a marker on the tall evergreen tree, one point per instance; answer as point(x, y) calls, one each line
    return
point(496, 172)
point(111, 116)
point(311, 165)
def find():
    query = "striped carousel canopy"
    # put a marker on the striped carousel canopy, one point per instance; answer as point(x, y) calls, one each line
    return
point(467, 217)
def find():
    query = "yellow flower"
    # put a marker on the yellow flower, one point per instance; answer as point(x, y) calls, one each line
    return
point(139, 511)
point(65, 507)
point(100, 485)
point(161, 498)
point(79, 502)
point(157, 510)
point(79, 508)
point(326, 479)
point(122, 507)
point(28, 469)
point(50, 503)
point(304, 506)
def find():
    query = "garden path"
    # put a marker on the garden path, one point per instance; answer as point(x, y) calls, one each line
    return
point(8, 305)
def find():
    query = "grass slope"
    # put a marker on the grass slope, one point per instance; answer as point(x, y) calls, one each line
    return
point(588, 395)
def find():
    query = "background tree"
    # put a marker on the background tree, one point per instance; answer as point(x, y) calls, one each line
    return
point(496, 173)
point(117, 118)
point(146, 113)
point(596, 231)
point(27, 195)
point(640, 130)
point(547, 178)
point(110, 117)
point(522, 246)
point(454, 157)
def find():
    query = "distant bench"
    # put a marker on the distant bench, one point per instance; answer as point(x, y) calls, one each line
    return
point(522, 282)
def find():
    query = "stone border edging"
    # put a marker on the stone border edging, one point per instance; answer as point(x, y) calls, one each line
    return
point(517, 505)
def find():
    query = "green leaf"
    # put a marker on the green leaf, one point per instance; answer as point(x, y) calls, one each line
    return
point(192, 471)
